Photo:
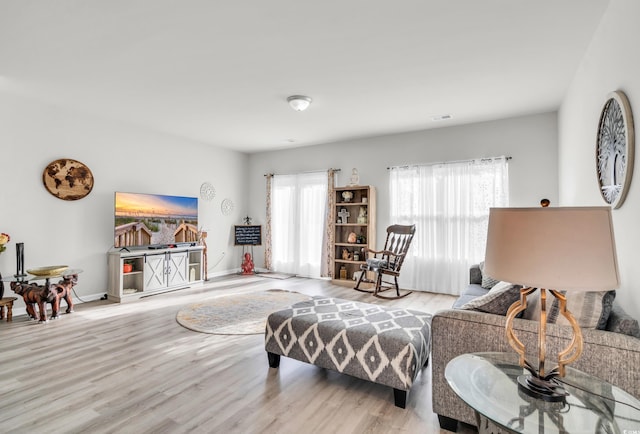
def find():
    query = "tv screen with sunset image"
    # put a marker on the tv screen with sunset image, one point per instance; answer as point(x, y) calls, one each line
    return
point(154, 220)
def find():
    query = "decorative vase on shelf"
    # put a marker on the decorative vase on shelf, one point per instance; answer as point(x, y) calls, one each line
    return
point(362, 216)
point(343, 273)
point(355, 178)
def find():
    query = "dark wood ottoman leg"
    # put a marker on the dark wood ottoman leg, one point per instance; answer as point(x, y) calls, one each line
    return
point(400, 398)
point(448, 423)
point(274, 360)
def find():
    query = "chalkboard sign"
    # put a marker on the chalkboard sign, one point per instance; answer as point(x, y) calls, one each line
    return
point(248, 235)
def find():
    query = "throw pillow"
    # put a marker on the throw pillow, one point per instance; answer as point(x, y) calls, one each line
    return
point(621, 322)
point(590, 309)
point(488, 282)
point(497, 301)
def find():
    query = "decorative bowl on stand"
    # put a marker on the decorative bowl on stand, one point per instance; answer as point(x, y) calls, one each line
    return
point(52, 270)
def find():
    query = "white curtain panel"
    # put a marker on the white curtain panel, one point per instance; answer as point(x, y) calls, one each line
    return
point(298, 213)
point(449, 204)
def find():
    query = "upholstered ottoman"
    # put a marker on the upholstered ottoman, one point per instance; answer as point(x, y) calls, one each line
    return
point(381, 344)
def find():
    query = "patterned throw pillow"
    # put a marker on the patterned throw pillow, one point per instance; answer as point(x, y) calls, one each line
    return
point(497, 301)
point(590, 309)
point(488, 282)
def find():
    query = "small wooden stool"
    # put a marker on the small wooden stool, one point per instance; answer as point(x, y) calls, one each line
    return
point(8, 302)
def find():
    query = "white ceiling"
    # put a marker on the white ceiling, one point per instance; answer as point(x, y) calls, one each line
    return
point(220, 71)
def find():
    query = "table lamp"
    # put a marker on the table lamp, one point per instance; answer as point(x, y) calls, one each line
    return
point(555, 249)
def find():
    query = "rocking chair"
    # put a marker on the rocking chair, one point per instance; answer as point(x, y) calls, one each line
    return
point(387, 261)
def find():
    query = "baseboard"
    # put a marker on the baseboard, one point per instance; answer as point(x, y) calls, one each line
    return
point(224, 273)
point(21, 309)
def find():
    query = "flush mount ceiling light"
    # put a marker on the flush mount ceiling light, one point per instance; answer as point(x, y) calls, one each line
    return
point(299, 102)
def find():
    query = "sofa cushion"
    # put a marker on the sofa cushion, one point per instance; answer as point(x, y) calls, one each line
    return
point(590, 309)
point(462, 300)
point(376, 263)
point(475, 290)
point(488, 282)
point(471, 292)
point(497, 301)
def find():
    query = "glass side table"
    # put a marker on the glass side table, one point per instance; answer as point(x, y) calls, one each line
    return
point(46, 278)
point(69, 276)
point(487, 383)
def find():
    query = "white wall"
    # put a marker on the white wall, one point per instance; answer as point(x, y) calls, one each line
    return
point(611, 63)
point(121, 158)
point(530, 140)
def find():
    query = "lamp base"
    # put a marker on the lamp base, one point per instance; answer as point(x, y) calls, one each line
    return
point(547, 390)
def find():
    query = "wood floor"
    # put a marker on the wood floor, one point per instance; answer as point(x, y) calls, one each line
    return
point(131, 368)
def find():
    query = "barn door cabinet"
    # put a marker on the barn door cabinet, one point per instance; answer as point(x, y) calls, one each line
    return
point(138, 273)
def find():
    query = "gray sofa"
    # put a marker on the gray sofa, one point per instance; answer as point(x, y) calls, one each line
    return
point(612, 354)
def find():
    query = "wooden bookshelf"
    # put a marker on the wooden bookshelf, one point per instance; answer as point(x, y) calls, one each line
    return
point(362, 200)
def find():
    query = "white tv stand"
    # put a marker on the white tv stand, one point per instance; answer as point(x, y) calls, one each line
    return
point(153, 271)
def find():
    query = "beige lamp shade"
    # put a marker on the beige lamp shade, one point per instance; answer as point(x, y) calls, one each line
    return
point(564, 248)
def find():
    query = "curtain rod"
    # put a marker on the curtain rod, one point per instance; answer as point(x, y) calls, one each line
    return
point(445, 162)
point(299, 173)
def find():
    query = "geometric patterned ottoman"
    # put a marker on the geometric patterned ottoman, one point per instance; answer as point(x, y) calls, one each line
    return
point(385, 345)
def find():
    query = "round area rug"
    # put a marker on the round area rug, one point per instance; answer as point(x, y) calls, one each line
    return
point(240, 314)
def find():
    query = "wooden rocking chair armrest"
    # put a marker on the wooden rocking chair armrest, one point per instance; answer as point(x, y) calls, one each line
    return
point(375, 252)
point(388, 253)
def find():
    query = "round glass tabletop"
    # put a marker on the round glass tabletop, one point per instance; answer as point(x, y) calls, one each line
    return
point(31, 277)
point(487, 382)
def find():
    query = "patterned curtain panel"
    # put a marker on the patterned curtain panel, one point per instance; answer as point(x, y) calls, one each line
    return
point(327, 252)
point(267, 240)
point(449, 204)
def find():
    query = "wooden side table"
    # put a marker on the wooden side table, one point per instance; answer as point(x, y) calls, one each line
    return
point(8, 303)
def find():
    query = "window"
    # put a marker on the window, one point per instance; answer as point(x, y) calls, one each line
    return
point(298, 215)
point(449, 204)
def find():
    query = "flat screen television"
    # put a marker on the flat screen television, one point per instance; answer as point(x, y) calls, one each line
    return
point(154, 220)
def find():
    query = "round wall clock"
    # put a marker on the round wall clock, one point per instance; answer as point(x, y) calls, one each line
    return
point(67, 179)
point(615, 149)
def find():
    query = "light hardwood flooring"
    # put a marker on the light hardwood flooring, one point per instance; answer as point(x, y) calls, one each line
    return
point(131, 368)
